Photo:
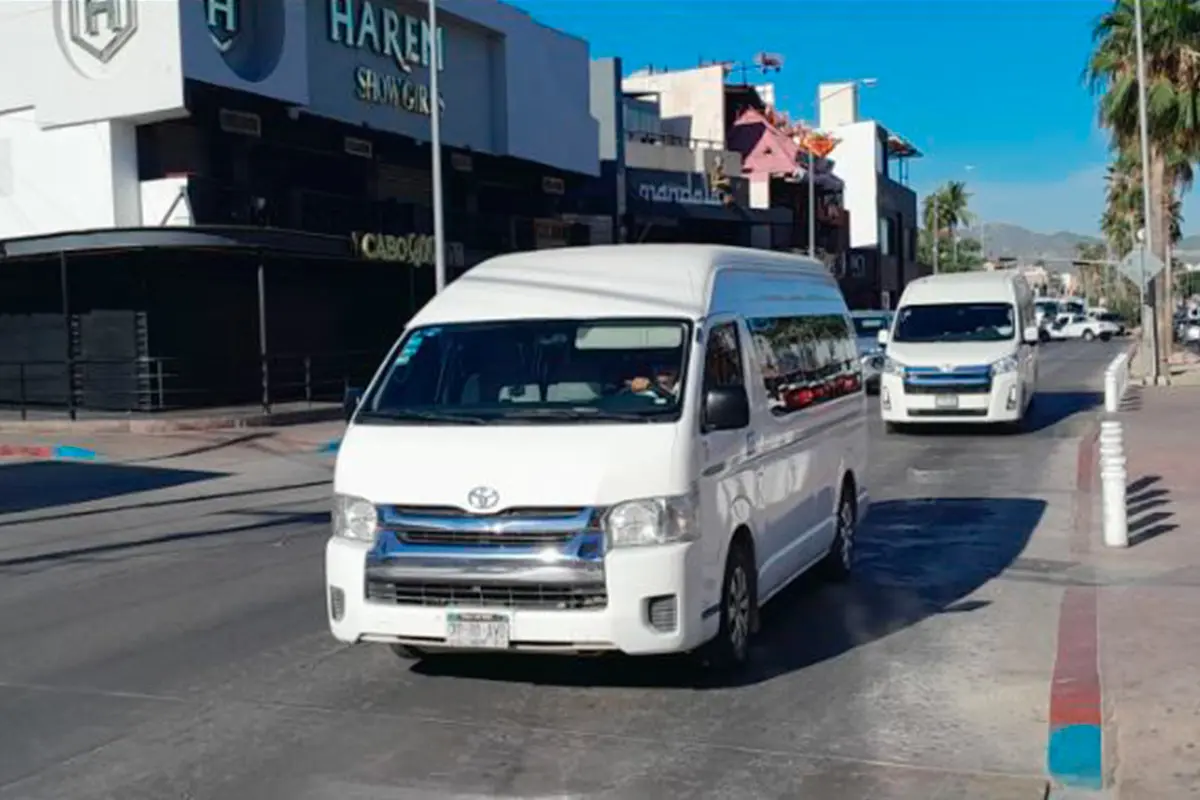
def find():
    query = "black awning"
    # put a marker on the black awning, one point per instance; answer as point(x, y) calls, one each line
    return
point(271, 240)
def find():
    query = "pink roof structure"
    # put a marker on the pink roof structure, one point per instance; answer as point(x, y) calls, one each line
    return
point(768, 151)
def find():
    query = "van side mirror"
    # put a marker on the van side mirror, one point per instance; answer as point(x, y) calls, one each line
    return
point(1032, 335)
point(726, 409)
point(350, 402)
point(882, 337)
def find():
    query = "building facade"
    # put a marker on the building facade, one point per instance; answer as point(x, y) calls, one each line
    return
point(668, 173)
point(260, 169)
point(883, 215)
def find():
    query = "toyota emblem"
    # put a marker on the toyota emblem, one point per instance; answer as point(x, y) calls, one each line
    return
point(947, 368)
point(481, 498)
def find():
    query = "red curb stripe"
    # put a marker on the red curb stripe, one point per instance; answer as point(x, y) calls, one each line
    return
point(24, 451)
point(1075, 690)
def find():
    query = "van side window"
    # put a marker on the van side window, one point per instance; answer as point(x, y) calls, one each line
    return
point(805, 361)
point(723, 359)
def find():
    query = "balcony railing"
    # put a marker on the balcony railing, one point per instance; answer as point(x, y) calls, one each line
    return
point(671, 140)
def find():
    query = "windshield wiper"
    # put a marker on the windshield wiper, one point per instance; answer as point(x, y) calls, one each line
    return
point(408, 415)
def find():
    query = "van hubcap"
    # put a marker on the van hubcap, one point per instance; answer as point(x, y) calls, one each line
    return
point(738, 610)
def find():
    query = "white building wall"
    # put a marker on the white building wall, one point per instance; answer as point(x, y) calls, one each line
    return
point(68, 144)
point(854, 161)
point(74, 177)
point(692, 101)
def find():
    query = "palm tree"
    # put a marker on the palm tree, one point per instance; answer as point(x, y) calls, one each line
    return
point(950, 203)
point(1171, 37)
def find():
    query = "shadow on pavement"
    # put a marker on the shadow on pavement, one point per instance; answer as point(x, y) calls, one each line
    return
point(1142, 497)
point(916, 558)
point(199, 498)
point(67, 555)
point(27, 486)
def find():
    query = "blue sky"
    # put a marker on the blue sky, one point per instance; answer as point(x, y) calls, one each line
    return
point(990, 90)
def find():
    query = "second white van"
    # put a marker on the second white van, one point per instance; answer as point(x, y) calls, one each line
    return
point(601, 449)
point(962, 348)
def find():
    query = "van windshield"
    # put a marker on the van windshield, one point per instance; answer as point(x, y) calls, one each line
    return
point(530, 371)
point(956, 322)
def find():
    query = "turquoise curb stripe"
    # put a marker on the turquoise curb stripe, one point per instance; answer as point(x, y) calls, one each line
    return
point(66, 451)
point(1075, 756)
point(330, 447)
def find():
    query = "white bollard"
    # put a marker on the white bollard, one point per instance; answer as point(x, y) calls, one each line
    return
point(1113, 480)
point(1112, 400)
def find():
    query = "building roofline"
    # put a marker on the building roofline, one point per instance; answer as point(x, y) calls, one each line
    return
point(241, 238)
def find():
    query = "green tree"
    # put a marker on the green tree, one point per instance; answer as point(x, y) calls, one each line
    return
point(950, 203)
point(1171, 36)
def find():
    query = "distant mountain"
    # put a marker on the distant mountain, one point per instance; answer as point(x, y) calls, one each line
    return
point(1056, 249)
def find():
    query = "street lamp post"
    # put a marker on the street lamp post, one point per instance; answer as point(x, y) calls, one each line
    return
point(435, 144)
point(1147, 202)
point(812, 186)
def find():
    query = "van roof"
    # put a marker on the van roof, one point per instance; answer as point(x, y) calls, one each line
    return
point(626, 280)
point(964, 286)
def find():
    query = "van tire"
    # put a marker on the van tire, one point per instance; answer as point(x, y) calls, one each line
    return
point(1088, 335)
point(729, 650)
point(839, 561)
point(892, 427)
point(406, 652)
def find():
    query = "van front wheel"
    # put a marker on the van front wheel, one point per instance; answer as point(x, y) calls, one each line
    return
point(730, 649)
point(839, 561)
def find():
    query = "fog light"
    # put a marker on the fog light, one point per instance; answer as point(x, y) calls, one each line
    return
point(337, 603)
point(885, 399)
point(1012, 399)
point(663, 612)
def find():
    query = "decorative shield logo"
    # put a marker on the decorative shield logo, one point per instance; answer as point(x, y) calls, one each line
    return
point(224, 19)
point(947, 368)
point(101, 28)
point(481, 498)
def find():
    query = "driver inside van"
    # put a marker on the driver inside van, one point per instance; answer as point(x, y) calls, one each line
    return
point(664, 384)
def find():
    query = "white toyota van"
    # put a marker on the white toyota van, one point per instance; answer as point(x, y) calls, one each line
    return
point(621, 448)
point(962, 348)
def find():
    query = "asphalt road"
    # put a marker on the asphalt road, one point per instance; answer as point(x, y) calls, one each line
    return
point(163, 636)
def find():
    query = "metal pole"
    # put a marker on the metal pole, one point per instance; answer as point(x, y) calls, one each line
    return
point(264, 366)
point(812, 209)
point(936, 233)
point(1147, 201)
point(435, 144)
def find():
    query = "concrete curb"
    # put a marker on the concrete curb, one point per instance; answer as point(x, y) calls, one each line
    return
point(151, 425)
point(56, 452)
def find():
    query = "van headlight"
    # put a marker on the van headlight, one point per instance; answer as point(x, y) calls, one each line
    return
point(892, 367)
point(354, 518)
point(654, 520)
point(1006, 364)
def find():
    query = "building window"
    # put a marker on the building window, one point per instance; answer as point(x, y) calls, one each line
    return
point(805, 361)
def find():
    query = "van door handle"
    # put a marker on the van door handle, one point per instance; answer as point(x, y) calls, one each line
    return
point(750, 448)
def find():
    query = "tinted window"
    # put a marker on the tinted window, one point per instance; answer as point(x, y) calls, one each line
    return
point(530, 370)
point(723, 359)
point(956, 322)
point(805, 361)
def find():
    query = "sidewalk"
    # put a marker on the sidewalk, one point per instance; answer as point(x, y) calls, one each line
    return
point(1148, 603)
point(319, 438)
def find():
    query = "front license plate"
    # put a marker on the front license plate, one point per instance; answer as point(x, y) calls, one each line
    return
point(477, 631)
point(946, 401)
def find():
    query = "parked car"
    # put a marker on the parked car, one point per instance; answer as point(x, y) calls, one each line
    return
point(1080, 326)
point(867, 325)
point(1108, 316)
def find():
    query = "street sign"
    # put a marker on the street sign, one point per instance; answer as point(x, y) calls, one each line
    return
point(1131, 266)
